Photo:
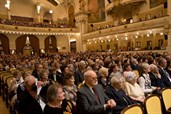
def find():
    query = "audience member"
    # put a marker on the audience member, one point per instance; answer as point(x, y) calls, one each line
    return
point(91, 98)
point(133, 90)
point(115, 92)
point(29, 101)
point(103, 79)
point(57, 104)
point(164, 74)
point(144, 79)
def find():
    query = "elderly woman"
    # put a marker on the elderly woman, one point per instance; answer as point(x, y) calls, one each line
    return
point(57, 104)
point(70, 88)
point(103, 80)
point(133, 90)
point(144, 79)
point(15, 82)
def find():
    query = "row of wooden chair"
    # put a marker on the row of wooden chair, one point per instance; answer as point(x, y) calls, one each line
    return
point(154, 104)
point(5, 81)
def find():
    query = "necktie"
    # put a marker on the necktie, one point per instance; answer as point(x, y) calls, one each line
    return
point(95, 93)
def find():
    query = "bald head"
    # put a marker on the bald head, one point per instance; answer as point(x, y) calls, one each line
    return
point(29, 82)
point(90, 78)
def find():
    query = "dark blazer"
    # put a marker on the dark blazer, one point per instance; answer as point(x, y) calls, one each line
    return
point(88, 103)
point(102, 82)
point(165, 79)
point(78, 77)
point(157, 82)
point(28, 105)
point(59, 77)
point(35, 74)
point(121, 99)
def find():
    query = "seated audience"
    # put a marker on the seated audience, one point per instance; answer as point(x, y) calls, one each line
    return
point(103, 79)
point(133, 90)
point(29, 101)
point(56, 102)
point(155, 77)
point(144, 79)
point(115, 92)
point(70, 89)
point(164, 74)
point(91, 98)
point(115, 71)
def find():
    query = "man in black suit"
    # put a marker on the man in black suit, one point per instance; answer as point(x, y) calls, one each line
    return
point(29, 101)
point(91, 98)
point(114, 91)
point(79, 73)
point(155, 77)
point(37, 70)
point(164, 74)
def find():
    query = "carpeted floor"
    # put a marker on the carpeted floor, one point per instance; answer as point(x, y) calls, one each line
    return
point(3, 108)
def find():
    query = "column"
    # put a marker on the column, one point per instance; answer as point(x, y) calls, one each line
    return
point(38, 13)
point(82, 23)
point(168, 48)
point(7, 5)
point(69, 49)
point(154, 40)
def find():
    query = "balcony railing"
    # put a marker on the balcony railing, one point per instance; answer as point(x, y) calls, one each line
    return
point(36, 30)
point(162, 22)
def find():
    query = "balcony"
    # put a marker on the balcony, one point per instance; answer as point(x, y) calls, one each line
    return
point(116, 5)
point(157, 24)
point(36, 30)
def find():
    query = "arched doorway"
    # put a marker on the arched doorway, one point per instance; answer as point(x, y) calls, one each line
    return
point(27, 45)
point(71, 16)
point(4, 44)
point(50, 44)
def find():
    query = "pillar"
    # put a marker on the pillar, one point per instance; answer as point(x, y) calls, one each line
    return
point(168, 48)
point(82, 23)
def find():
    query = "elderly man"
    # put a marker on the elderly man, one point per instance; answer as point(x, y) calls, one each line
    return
point(155, 77)
point(91, 98)
point(79, 73)
point(164, 74)
point(29, 101)
point(115, 91)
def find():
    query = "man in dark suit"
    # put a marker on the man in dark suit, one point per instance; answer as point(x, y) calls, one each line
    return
point(114, 91)
point(164, 74)
point(79, 73)
point(37, 70)
point(29, 101)
point(155, 77)
point(91, 98)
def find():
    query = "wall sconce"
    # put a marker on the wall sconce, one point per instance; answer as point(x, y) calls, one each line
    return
point(7, 5)
point(50, 11)
point(38, 8)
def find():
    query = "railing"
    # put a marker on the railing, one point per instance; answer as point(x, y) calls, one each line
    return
point(36, 30)
point(162, 22)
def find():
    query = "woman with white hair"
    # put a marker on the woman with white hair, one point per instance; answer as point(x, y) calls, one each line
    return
point(104, 79)
point(133, 90)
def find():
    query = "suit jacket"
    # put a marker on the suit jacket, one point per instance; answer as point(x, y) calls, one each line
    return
point(78, 77)
point(88, 103)
point(28, 105)
point(59, 77)
point(165, 79)
point(35, 74)
point(157, 82)
point(103, 82)
point(121, 99)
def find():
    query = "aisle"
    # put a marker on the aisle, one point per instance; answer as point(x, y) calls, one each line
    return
point(3, 108)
